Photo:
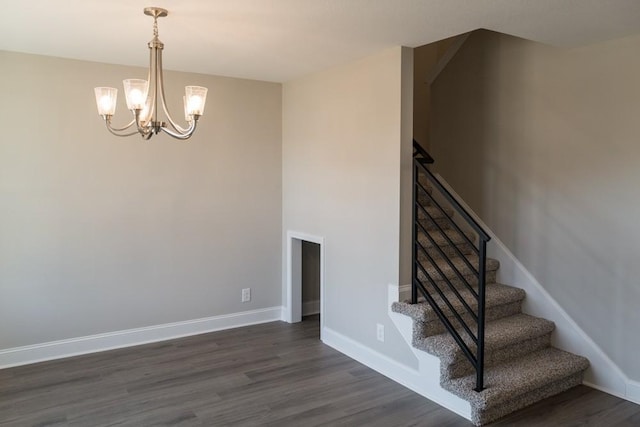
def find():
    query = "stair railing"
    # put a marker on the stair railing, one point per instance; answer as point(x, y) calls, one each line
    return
point(434, 287)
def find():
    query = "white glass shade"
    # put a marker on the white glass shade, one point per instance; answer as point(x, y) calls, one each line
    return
point(106, 100)
point(135, 90)
point(195, 99)
point(187, 117)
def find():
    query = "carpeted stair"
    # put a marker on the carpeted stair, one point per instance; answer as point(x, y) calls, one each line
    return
point(521, 366)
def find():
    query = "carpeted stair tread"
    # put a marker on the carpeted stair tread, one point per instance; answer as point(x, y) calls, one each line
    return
point(499, 333)
point(496, 294)
point(440, 240)
point(424, 200)
point(515, 378)
point(458, 263)
point(425, 183)
point(437, 219)
point(431, 225)
point(436, 213)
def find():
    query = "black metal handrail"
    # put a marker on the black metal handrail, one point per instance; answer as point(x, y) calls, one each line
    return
point(438, 290)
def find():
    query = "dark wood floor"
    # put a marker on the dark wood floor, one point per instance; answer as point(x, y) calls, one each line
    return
point(274, 374)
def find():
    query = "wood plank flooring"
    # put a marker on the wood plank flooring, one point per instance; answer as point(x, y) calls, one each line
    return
point(273, 374)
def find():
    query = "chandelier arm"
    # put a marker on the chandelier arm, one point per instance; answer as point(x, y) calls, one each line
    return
point(173, 124)
point(181, 135)
point(108, 121)
point(117, 131)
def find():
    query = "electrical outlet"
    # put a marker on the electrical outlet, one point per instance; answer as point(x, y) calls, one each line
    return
point(380, 332)
point(246, 295)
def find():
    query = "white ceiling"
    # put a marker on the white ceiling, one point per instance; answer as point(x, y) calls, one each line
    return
point(279, 40)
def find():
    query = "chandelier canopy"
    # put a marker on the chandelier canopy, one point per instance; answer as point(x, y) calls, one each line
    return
point(144, 97)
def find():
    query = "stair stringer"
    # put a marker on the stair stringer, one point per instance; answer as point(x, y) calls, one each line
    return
point(603, 373)
point(428, 385)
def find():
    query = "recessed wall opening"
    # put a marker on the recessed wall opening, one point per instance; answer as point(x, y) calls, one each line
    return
point(305, 277)
point(310, 272)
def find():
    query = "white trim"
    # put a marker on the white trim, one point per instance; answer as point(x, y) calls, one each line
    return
point(633, 391)
point(310, 307)
point(402, 374)
point(293, 309)
point(603, 374)
point(111, 340)
point(615, 393)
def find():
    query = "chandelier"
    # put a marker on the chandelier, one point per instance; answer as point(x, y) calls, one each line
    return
point(144, 97)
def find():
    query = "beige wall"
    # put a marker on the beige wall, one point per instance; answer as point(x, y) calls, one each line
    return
point(101, 234)
point(543, 144)
point(425, 59)
point(342, 132)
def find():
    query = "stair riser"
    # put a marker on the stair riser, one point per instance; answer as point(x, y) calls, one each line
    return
point(462, 367)
point(443, 223)
point(424, 200)
point(450, 251)
point(481, 417)
point(446, 241)
point(434, 211)
point(433, 326)
point(490, 277)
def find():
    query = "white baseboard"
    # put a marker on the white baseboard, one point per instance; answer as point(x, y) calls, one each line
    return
point(402, 374)
point(633, 391)
point(310, 307)
point(603, 374)
point(428, 384)
point(95, 343)
point(371, 358)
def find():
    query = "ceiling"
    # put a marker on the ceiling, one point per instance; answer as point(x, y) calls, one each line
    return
point(280, 40)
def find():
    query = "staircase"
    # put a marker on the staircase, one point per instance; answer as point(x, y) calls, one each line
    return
point(512, 363)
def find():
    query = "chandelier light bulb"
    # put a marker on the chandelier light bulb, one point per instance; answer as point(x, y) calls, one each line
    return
point(105, 103)
point(136, 97)
point(195, 104)
point(135, 90)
